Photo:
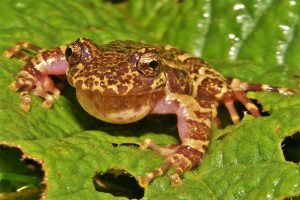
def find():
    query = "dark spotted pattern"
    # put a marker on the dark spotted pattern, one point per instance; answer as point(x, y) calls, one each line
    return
point(178, 81)
point(112, 68)
point(198, 130)
point(192, 154)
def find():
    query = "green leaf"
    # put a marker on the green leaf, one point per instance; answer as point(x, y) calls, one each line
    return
point(255, 41)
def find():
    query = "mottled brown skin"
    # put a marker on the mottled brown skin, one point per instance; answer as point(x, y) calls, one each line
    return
point(123, 81)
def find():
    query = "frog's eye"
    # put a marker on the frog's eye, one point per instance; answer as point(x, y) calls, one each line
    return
point(149, 64)
point(69, 52)
point(73, 53)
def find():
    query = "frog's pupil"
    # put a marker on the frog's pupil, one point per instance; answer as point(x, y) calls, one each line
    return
point(153, 64)
point(68, 52)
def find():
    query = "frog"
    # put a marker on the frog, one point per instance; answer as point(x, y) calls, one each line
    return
point(124, 81)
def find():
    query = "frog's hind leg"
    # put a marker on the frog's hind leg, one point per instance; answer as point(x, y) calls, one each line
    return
point(16, 51)
point(240, 96)
point(238, 90)
point(229, 103)
point(194, 123)
point(250, 106)
point(261, 87)
point(161, 150)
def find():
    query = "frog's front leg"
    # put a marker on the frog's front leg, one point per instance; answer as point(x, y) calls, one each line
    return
point(34, 77)
point(194, 123)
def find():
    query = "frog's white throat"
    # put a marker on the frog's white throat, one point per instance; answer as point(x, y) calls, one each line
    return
point(116, 109)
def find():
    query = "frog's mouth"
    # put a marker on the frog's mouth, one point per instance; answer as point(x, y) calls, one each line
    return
point(116, 109)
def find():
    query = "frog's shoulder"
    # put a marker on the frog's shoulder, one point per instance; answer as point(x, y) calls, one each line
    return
point(182, 59)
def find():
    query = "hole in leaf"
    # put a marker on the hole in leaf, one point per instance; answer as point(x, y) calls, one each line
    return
point(260, 107)
point(20, 178)
point(119, 183)
point(291, 148)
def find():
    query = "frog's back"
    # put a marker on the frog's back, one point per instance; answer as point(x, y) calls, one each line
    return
point(127, 47)
point(191, 75)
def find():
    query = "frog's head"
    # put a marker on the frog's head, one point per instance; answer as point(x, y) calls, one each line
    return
point(116, 68)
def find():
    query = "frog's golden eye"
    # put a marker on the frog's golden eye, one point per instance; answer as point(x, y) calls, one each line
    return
point(73, 53)
point(149, 64)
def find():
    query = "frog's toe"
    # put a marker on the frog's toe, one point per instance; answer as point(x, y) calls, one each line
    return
point(175, 177)
point(37, 84)
point(25, 101)
point(177, 161)
point(23, 83)
point(148, 177)
point(232, 110)
point(48, 102)
point(160, 150)
point(49, 95)
point(181, 158)
point(13, 86)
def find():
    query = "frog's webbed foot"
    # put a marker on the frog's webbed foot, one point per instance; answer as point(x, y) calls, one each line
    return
point(238, 93)
point(29, 81)
point(241, 97)
point(182, 158)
